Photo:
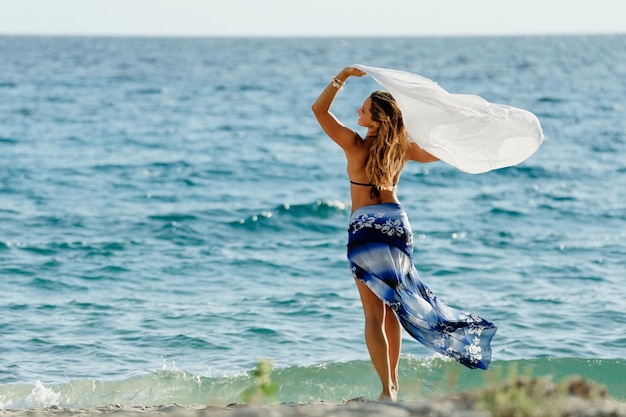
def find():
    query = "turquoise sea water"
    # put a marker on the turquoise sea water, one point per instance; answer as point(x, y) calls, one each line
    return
point(170, 212)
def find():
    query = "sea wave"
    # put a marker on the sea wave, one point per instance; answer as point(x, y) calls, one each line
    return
point(331, 382)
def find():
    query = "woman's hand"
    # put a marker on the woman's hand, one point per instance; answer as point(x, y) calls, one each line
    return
point(350, 72)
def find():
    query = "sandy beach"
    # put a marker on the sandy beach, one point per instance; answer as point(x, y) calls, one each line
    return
point(575, 406)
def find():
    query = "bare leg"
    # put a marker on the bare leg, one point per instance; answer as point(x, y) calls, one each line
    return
point(376, 340)
point(393, 330)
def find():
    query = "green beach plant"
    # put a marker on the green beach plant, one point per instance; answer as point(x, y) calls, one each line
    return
point(262, 390)
point(527, 396)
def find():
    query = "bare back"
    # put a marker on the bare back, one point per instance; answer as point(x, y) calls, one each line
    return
point(360, 190)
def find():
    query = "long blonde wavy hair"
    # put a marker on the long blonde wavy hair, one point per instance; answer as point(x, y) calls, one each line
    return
point(387, 154)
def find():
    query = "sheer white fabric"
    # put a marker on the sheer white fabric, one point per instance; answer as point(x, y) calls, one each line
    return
point(462, 130)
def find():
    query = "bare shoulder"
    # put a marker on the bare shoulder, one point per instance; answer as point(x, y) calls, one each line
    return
point(342, 135)
point(348, 139)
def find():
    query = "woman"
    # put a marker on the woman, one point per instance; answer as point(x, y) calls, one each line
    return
point(380, 243)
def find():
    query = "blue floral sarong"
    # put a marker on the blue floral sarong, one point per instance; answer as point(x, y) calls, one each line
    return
point(380, 253)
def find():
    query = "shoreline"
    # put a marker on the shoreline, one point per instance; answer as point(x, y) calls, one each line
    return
point(358, 407)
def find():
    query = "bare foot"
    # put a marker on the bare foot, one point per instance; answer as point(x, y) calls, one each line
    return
point(391, 396)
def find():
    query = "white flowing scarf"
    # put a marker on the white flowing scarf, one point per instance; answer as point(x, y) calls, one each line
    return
point(462, 130)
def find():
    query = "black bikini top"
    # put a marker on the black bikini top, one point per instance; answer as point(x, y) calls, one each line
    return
point(375, 193)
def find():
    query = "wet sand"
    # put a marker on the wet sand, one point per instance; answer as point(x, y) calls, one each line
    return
point(352, 408)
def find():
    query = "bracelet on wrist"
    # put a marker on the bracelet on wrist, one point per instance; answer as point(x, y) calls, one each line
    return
point(337, 83)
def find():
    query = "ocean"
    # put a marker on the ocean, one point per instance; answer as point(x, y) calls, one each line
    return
point(171, 213)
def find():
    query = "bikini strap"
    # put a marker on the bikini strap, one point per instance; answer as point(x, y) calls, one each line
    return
point(360, 183)
point(363, 184)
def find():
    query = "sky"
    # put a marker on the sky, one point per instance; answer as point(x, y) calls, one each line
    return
point(311, 17)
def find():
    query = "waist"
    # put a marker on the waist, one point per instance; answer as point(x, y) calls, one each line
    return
point(387, 208)
point(362, 197)
point(385, 223)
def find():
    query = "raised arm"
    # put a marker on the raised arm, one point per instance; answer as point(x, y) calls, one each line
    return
point(415, 153)
point(341, 134)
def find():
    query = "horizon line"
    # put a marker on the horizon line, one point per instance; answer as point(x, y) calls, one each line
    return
point(308, 36)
